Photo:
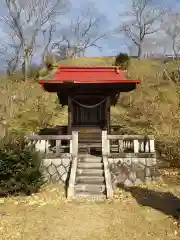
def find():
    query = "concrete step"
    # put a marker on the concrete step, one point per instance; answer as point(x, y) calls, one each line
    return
point(90, 159)
point(90, 172)
point(90, 142)
point(90, 165)
point(89, 145)
point(95, 196)
point(90, 179)
point(90, 188)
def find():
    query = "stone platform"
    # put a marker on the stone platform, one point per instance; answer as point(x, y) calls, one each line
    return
point(132, 171)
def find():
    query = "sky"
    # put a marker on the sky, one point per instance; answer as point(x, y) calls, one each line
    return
point(113, 44)
point(111, 11)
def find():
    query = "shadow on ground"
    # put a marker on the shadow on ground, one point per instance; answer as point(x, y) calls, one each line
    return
point(165, 202)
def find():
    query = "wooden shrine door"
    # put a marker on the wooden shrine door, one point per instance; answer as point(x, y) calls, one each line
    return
point(85, 114)
point(89, 117)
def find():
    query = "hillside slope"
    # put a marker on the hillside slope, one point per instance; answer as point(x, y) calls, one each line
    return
point(152, 108)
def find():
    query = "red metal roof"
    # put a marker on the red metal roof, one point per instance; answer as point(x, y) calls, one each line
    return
point(88, 74)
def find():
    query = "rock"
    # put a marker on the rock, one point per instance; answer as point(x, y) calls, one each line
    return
point(47, 177)
point(61, 170)
point(140, 173)
point(138, 182)
point(128, 183)
point(148, 180)
point(55, 178)
point(52, 170)
point(148, 172)
point(150, 162)
point(121, 177)
point(132, 176)
point(142, 161)
point(127, 161)
point(155, 172)
point(141, 166)
point(135, 160)
point(56, 161)
point(46, 162)
point(119, 161)
point(64, 177)
point(66, 162)
point(114, 185)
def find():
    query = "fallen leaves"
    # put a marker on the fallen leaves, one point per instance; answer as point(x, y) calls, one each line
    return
point(2, 200)
point(50, 208)
point(2, 214)
point(170, 172)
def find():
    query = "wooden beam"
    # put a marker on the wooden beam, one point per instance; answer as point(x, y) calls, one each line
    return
point(108, 116)
point(130, 137)
point(132, 155)
point(74, 144)
point(58, 147)
point(87, 96)
point(70, 112)
point(48, 137)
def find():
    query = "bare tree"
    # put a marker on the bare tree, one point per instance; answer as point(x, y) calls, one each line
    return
point(171, 27)
point(48, 37)
point(10, 54)
point(82, 33)
point(26, 20)
point(142, 21)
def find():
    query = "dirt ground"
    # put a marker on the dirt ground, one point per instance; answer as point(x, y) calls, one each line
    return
point(146, 212)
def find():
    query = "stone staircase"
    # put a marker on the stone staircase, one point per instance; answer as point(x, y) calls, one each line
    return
point(90, 180)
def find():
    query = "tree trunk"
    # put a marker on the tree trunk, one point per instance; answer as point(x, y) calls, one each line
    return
point(140, 51)
point(26, 66)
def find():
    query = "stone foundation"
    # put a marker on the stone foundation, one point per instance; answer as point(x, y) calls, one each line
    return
point(56, 170)
point(126, 171)
point(132, 171)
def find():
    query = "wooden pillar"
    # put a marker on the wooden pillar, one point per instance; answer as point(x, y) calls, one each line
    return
point(69, 116)
point(136, 146)
point(108, 116)
point(105, 144)
point(74, 144)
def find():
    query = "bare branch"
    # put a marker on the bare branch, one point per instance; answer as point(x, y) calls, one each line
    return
point(171, 26)
point(48, 36)
point(10, 53)
point(28, 20)
point(83, 33)
point(143, 21)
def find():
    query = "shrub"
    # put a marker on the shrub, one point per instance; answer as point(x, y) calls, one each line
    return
point(43, 72)
point(19, 168)
point(169, 153)
point(122, 60)
point(49, 61)
point(33, 72)
point(172, 74)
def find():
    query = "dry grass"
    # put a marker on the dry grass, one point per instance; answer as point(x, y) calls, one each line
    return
point(26, 106)
point(48, 215)
point(92, 61)
point(153, 108)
